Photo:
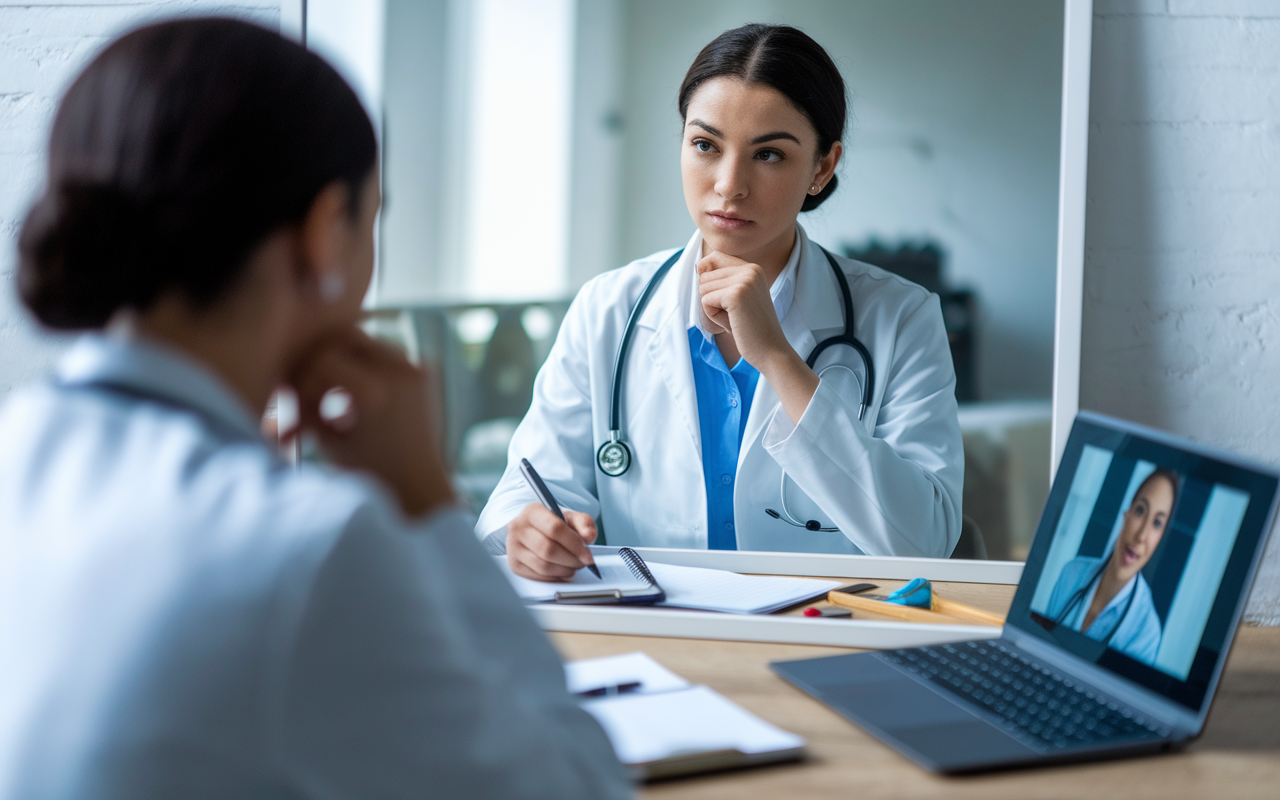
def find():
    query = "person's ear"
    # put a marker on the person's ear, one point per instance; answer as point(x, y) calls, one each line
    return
point(826, 166)
point(323, 238)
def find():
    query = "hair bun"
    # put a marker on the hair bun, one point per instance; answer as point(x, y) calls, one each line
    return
point(80, 254)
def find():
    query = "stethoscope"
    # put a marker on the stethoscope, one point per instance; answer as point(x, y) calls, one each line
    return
point(1077, 597)
point(614, 456)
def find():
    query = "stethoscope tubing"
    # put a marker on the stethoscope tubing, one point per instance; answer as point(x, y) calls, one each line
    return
point(614, 456)
point(620, 360)
point(847, 338)
point(1077, 597)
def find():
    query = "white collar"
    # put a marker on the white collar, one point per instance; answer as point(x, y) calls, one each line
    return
point(152, 368)
point(783, 290)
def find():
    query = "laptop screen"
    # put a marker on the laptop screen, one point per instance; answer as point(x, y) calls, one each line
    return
point(1142, 555)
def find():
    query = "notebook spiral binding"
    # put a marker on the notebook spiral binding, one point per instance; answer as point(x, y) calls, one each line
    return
point(637, 566)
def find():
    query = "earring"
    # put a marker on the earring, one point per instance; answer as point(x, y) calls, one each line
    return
point(814, 189)
point(332, 287)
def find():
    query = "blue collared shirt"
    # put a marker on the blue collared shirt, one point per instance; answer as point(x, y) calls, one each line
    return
point(724, 401)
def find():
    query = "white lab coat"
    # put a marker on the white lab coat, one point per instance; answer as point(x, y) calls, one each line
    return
point(891, 482)
point(184, 616)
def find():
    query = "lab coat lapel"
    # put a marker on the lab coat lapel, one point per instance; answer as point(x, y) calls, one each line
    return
point(817, 311)
point(669, 346)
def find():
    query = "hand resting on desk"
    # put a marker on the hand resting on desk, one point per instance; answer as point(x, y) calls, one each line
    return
point(542, 547)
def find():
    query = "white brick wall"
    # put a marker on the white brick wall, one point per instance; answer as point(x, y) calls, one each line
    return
point(1182, 270)
point(42, 44)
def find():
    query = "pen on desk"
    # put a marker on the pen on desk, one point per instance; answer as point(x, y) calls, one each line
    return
point(545, 497)
point(609, 691)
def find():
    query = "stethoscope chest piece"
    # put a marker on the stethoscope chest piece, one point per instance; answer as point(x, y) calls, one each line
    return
point(614, 457)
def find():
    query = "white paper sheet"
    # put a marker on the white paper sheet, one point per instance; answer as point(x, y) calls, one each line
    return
point(650, 727)
point(718, 590)
point(594, 673)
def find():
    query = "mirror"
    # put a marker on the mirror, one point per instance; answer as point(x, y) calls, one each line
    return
point(548, 129)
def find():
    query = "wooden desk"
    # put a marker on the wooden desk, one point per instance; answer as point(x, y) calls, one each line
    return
point(1237, 756)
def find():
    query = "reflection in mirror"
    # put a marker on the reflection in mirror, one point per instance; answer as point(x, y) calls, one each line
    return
point(530, 145)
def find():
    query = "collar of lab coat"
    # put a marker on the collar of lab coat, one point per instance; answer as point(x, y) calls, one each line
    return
point(782, 292)
point(815, 310)
point(805, 295)
point(1121, 596)
point(149, 368)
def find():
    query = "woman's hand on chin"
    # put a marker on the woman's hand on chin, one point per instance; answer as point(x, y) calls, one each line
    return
point(388, 426)
point(735, 297)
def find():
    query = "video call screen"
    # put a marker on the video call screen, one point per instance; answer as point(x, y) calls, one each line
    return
point(1149, 549)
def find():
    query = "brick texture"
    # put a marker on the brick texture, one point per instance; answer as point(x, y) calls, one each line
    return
point(42, 44)
point(1182, 269)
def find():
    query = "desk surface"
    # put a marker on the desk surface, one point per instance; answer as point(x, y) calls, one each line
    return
point(1237, 756)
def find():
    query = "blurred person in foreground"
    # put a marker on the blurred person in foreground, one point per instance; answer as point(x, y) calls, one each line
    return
point(181, 613)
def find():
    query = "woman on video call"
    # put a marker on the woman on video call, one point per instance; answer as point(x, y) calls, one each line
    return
point(1107, 598)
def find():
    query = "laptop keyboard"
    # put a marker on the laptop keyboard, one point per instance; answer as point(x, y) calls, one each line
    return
point(1042, 707)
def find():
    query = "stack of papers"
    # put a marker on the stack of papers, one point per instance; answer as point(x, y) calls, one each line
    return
point(668, 727)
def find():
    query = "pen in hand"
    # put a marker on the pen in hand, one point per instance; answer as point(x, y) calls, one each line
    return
point(534, 480)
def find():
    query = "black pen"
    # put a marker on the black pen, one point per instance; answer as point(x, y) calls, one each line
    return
point(609, 691)
point(544, 495)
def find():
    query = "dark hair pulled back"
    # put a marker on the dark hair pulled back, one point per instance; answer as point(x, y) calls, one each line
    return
point(173, 155)
point(785, 59)
point(1162, 473)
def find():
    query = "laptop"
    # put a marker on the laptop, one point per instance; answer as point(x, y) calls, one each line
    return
point(1119, 630)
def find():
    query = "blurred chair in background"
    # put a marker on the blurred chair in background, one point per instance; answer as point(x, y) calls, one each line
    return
point(970, 544)
point(1006, 471)
point(924, 263)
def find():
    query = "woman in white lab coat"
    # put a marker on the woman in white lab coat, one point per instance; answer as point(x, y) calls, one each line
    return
point(734, 440)
point(182, 614)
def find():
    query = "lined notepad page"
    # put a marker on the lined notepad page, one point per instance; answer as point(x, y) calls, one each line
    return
point(718, 590)
point(614, 574)
point(650, 727)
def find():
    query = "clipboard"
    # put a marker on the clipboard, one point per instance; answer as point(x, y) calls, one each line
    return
point(667, 727)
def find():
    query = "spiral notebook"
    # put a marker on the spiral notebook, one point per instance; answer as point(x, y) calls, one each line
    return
point(627, 578)
point(624, 578)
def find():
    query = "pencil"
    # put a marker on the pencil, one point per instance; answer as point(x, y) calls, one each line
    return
point(893, 610)
point(958, 609)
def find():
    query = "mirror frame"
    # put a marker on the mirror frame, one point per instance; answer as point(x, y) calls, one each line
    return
point(1073, 164)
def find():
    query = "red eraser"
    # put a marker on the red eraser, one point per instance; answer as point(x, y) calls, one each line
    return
point(812, 612)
